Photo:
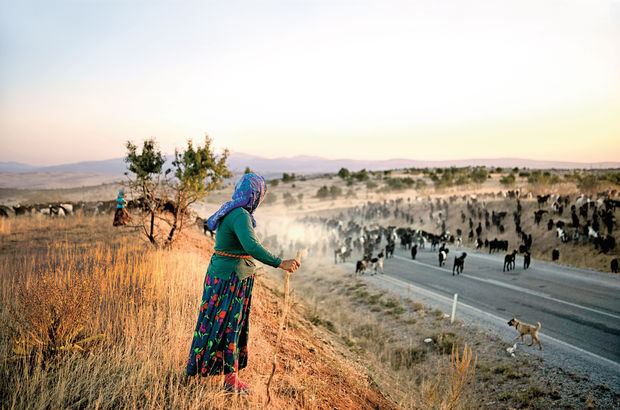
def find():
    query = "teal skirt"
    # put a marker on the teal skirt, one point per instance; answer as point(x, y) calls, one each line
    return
point(220, 343)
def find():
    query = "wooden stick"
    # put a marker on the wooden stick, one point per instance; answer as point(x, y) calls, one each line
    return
point(287, 275)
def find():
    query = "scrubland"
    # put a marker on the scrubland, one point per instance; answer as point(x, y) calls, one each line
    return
point(93, 317)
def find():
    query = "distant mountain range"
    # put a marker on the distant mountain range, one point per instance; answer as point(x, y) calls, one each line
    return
point(238, 161)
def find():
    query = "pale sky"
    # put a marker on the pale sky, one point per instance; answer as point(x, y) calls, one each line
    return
point(432, 79)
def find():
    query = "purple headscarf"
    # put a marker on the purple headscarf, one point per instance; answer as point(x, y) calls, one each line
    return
point(249, 193)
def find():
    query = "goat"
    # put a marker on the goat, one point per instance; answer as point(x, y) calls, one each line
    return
point(614, 265)
point(526, 260)
point(414, 251)
point(509, 260)
point(389, 250)
point(443, 255)
point(377, 263)
point(459, 262)
point(555, 254)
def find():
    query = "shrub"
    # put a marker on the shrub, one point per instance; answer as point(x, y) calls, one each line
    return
point(508, 180)
point(323, 192)
point(335, 191)
point(288, 177)
point(479, 175)
point(270, 198)
point(52, 316)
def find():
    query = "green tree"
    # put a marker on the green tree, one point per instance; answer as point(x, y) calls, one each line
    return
point(169, 195)
point(146, 184)
point(344, 173)
point(197, 171)
point(288, 177)
point(247, 170)
point(479, 175)
point(323, 192)
point(361, 175)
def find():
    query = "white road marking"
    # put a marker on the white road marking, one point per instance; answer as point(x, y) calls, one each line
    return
point(516, 288)
point(500, 320)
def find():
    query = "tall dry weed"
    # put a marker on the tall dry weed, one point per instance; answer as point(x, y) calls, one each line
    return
point(52, 316)
point(457, 372)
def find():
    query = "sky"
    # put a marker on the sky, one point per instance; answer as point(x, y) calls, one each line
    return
point(426, 80)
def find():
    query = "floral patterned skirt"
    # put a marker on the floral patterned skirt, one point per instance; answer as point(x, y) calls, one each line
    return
point(220, 342)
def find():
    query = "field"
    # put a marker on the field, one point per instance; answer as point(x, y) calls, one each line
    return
point(93, 316)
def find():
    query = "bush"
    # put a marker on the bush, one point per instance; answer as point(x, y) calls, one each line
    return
point(539, 178)
point(270, 198)
point(479, 175)
point(52, 316)
point(288, 177)
point(323, 192)
point(361, 175)
point(508, 180)
point(289, 200)
point(371, 185)
point(335, 191)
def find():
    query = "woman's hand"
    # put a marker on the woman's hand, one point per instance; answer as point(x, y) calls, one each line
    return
point(290, 265)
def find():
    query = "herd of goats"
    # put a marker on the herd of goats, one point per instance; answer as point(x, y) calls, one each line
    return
point(360, 230)
point(578, 220)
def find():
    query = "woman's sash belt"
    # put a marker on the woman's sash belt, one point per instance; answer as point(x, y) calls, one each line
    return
point(232, 255)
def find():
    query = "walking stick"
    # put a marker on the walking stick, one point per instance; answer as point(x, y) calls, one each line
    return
point(287, 275)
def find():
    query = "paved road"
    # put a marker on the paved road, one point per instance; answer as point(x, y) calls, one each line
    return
point(579, 309)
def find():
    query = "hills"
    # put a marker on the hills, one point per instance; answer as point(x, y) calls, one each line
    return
point(311, 165)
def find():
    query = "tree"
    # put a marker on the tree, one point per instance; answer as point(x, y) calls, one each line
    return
point(147, 167)
point(247, 170)
point(197, 171)
point(169, 195)
point(288, 177)
point(344, 173)
point(479, 175)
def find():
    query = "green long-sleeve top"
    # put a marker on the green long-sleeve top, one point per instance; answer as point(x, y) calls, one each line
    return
point(236, 236)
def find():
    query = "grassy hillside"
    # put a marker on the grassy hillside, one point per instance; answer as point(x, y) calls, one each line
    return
point(93, 317)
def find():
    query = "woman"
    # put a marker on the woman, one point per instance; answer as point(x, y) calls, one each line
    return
point(121, 217)
point(220, 342)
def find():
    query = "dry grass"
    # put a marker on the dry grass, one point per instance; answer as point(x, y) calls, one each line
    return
point(70, 279)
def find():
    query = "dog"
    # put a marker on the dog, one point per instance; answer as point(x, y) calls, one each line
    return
point(525, 329)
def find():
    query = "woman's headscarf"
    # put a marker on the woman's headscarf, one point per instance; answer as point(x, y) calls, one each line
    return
point(249, 193)
point(121, 193)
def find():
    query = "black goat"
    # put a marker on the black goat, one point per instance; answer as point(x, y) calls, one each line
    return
point(509, 261)
point(526, 260)
point(459, 262)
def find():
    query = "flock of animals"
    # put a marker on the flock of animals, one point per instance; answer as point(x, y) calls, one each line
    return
point(577, 221)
